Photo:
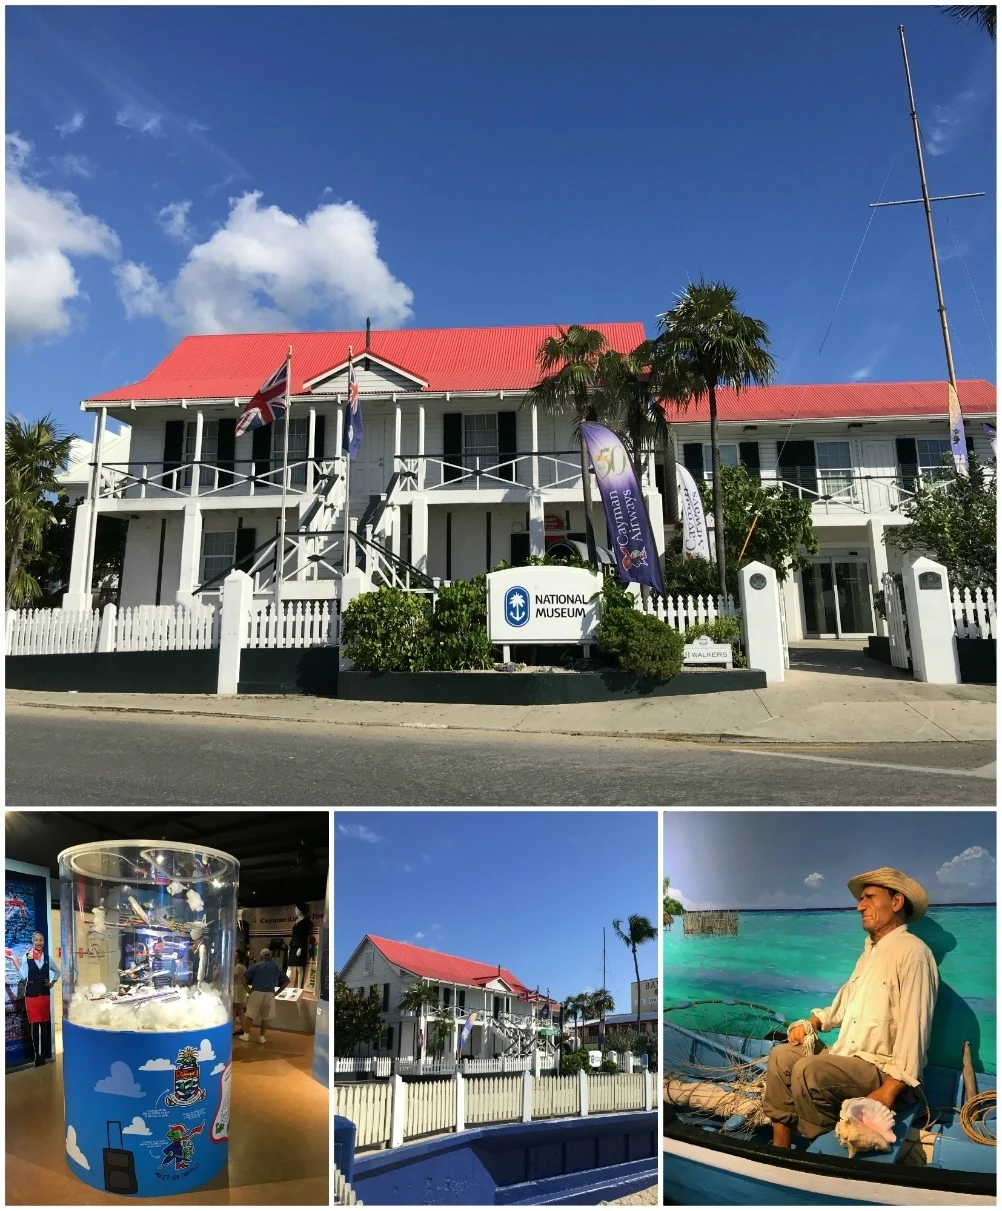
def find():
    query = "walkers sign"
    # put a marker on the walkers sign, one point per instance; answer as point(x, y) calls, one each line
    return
point(542, 605)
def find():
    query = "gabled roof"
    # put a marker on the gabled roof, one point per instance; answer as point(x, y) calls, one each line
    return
point(831, 401)
point(434, 965)
point(447, 359)
point(367, 356)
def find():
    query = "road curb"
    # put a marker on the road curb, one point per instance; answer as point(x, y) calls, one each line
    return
point(705, 738)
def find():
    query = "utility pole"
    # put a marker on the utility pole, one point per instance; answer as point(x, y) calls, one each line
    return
point(957, 439)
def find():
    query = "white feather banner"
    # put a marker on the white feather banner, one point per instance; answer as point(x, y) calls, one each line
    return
point(695, 540)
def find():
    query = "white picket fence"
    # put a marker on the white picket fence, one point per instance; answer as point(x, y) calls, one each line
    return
point(378, 1066)
point(344, 1196)
point(429, 1108)
point(683, 612)
point(292, 624)
point(473, 1067)
point(494, 1099)
point(368, 1106)
point(974, 614)
point(145, 628)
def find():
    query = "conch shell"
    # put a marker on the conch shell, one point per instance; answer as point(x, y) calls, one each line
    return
point(865, 1126)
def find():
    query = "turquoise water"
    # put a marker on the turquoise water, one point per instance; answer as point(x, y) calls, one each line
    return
point(794, 961)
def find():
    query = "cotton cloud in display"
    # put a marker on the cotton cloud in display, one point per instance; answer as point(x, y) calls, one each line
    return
point(974, 867)
point(814, 880)
point(45, 229)
point(265, 270)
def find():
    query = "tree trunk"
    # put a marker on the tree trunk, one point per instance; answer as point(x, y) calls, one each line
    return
point(14, 565)
point(718, 499)
point(586, 493)
point(636, 968)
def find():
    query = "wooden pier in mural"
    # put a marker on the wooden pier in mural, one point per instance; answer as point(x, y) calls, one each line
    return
point(710, 921)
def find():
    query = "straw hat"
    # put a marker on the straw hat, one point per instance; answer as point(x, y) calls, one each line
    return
point(895, 880)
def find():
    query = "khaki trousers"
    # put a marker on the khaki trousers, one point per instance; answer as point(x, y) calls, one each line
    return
point(807, 1091)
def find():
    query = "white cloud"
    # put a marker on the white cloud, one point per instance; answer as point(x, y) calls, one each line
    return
point(814, 880)
point(156, 1066)
point(973, 867)
point(45, 229)
point(358, 832)
point(137, 1127)
point(73, 165)
point(205, 1052)
point(173, 219)
point(73, 1148)
point(951, 121)
point(136, 116)
point(71, 125)
point(266, 270)
point(419, 935)
point(218, 1068)
point(863, 372)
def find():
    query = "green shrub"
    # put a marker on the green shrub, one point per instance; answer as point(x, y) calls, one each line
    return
point(457, 631)
point(721, 630)
point(575, 1062)
point(637, 642)
point(386, 631)
point(610, 1066)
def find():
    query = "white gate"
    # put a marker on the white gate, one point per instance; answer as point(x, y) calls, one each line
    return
point(896, 622)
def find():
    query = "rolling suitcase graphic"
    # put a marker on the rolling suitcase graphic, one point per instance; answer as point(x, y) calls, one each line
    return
point(119, 1165)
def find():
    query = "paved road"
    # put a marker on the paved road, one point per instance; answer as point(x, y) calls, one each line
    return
point(58, 758)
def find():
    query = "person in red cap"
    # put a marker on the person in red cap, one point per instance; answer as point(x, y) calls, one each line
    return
point(884, 1015)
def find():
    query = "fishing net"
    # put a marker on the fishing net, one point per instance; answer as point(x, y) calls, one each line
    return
point(714, 1061)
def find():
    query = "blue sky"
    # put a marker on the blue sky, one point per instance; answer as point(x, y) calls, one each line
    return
point(529, 890)
point(803, 859)
point(179, 169)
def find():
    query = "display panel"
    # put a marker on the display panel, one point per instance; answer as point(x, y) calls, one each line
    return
point(26, 904)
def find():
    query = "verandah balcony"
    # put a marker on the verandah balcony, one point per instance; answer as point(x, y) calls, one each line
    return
point(180, 481)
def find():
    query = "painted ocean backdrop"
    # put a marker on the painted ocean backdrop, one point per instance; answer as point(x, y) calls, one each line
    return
point(792, 962)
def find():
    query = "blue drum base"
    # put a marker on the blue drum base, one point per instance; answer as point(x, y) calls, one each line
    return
point(146, 1114)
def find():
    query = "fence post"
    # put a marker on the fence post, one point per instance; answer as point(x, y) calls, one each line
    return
point(528, 1084)
point(106, 635)
point(761, 620)
point(583, 1091)
point(648, 1090)
point(535, 1061)
point(460, 1084)
point(931, 626)
point(238, 594)
point(398, 1110)
point(629, 1061)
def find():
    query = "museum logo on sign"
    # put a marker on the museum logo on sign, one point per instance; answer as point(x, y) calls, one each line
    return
point(516, 606)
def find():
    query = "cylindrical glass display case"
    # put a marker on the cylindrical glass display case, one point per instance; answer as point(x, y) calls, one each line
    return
point(148, 933)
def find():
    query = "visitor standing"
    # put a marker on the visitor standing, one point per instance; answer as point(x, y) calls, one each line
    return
point(240, 993)
point(264, 979)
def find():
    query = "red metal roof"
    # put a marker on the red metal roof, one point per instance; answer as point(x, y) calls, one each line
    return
point(822, 401)
point(447, 359)
point(437, 966)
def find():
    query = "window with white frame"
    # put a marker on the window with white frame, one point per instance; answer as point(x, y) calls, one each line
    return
point(835, 470)
point(729, 457)
point(299, 450)
point(210, 448)
point(480, 440)
point(930, 452)
point(219, 550)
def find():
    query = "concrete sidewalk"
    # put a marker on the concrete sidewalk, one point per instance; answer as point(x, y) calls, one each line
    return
point(808, 708)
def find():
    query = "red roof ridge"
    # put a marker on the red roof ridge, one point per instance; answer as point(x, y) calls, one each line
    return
point(464, 970)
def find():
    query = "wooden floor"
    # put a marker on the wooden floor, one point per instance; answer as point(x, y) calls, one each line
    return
point(279, 1134)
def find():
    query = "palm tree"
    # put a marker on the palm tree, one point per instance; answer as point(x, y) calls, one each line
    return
point(706, 343)
point(418, 998)
point(980, 15)
point(670, 906)
point(570, 366)
point(33, 453)
point(625, 396)
point(638, 931)
point(575, 1006)
point(599, 1004)
point(442, 1030)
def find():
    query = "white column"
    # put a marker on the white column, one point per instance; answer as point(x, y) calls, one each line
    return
point(237, 598)
point(460, 1101)
point(419, 533)
point(395, 530)
point(761, 621)
point(652, 498)
point(931, 627)
point(95, 496)
point(396, 437)
point(878, 564)
point(648, 1090)
point(191, 549)
point(535, 446)
point(398, 1110)
point(583, 1091)
point(196, 471)
point(78, 595)
point(311, 447)
point(106, 635)
point(420, 447)
point(537, 524)
point(527, 1087)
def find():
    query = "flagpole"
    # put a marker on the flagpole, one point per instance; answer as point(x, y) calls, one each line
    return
point(346, 453)
point(280, 562)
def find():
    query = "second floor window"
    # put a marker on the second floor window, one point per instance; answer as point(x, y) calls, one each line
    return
point(299, 449)
point(835, 469)
point(728, 458)
point(480, 440)
point(931, 451)
point(210, 445)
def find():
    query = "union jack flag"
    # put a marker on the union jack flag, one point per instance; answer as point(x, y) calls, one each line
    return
point(352, 436)
point(268, 404)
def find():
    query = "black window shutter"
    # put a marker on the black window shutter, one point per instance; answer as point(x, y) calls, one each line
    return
point(261, 449)
point(461, 998)
point(173, 450)
point(386, 997)
point(452, 445)
point(520, 549)
point(662, 487)
point(907, 453)
point(749, 455)
point(692, 457)
point(226, 446)
point(319, 435)
point(970, 445)
point(798, 465)
point(246, 542)
point(506, 445)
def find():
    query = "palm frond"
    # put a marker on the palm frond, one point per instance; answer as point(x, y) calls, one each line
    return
point(980, 15)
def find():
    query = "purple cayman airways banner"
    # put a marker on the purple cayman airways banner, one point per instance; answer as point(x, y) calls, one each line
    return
point(633, 543)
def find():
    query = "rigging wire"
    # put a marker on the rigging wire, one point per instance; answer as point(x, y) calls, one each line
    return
point(970, 281)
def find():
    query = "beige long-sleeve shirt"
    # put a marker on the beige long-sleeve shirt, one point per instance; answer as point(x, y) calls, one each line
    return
point(885, 1009)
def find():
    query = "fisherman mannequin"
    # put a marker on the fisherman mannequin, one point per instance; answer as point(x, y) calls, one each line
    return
point(299, 948)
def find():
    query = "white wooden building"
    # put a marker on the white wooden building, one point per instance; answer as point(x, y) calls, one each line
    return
point(455, 472)
point(511, 1019)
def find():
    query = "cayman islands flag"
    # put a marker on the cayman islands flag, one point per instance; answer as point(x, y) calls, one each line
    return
point(268, 404)
point(352, 435)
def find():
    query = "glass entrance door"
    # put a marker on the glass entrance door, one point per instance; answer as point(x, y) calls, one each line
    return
point(837, 598)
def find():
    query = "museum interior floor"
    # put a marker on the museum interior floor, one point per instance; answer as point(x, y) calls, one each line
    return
point(279, 1134)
